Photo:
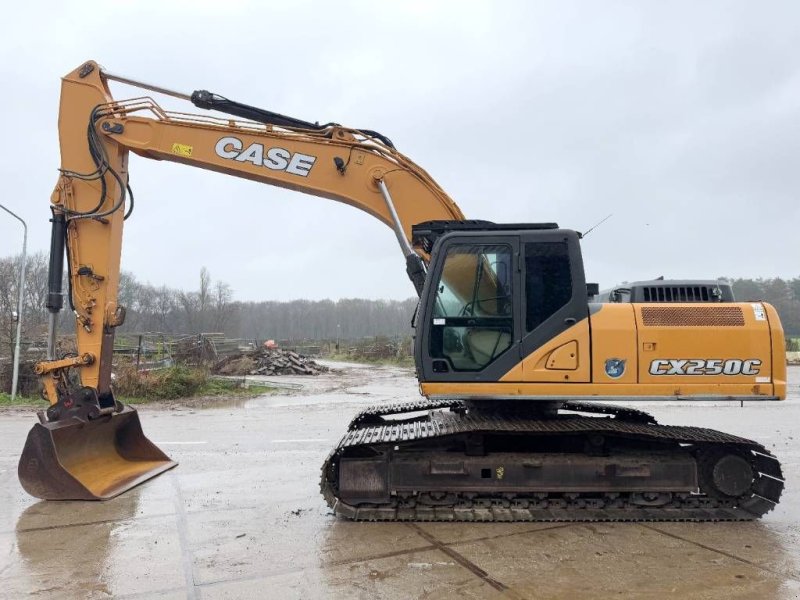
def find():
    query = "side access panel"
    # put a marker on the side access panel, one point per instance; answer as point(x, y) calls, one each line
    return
point(725, 343)
point(564, 359)
point(614, 352)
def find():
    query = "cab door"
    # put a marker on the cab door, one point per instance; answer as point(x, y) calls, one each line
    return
point(469, 328)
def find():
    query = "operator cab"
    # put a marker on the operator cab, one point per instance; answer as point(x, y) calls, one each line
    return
point(493, 294)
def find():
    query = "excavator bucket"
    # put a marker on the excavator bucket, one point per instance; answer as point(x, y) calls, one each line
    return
point(89, 460)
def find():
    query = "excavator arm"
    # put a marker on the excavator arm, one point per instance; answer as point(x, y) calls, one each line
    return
point(93, 198)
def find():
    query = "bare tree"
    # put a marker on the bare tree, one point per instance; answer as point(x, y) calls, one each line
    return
point(190, 304)
point(204, 297)
point(222, 309)
point(8, 305)
point(164, 306)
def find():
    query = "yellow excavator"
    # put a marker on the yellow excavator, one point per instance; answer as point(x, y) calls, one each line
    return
point(512, 347)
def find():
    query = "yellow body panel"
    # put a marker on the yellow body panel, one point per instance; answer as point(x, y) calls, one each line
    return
point(778, 351)
point(715, 350)
point(614, 337)
point(722, 332)
point(545, 363)
point(523, 390)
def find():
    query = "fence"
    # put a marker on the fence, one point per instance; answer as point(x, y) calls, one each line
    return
point(146, 349)
point(154, 350)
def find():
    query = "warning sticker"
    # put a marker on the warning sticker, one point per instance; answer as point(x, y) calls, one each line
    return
point(759, 312)
point(182, 149)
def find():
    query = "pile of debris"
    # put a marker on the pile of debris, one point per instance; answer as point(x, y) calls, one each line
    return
point(268, 361)
point(194, 349)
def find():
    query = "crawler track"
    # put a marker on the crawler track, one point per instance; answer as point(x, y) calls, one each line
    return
point(392, 428)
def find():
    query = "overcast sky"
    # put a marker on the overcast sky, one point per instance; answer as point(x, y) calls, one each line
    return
point(681, 119)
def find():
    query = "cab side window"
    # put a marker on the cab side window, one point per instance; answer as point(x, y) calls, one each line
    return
point(548, 281)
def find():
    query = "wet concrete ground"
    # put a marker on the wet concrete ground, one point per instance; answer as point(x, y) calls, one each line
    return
point(241, 517)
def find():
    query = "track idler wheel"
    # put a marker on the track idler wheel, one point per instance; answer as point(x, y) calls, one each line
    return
point(725, 474)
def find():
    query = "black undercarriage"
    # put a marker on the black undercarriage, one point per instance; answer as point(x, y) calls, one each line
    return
point(446, 461)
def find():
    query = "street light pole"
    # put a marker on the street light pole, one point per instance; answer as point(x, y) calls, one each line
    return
point(20, 301)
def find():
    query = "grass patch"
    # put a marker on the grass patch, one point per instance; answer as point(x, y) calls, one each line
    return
point(5, 400)
point(177, 383)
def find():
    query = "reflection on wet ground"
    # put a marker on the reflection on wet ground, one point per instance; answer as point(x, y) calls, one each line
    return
point(241, 517)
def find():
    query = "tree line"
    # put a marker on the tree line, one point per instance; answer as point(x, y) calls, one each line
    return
point(211, 307)
point(783, 294)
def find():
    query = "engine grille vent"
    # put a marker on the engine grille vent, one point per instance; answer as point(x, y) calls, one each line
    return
point(692, 316)
point(679, 293)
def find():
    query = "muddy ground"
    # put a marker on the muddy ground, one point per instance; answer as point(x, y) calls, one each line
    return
point(241, 517)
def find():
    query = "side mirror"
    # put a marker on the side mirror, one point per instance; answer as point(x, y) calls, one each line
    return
point(592, 289)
